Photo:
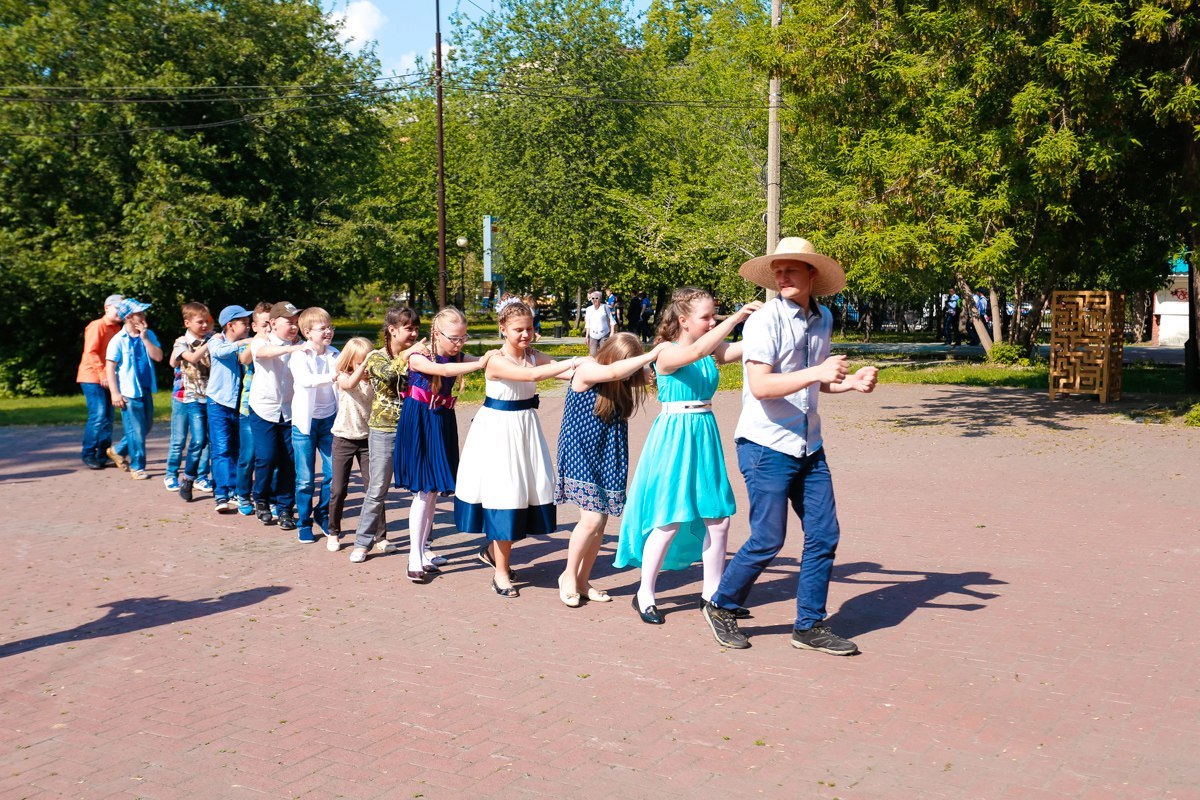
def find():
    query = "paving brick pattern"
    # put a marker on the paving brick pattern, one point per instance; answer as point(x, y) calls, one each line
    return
point(1020, 576)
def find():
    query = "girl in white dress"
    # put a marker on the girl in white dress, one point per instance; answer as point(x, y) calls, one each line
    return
point(505, 485)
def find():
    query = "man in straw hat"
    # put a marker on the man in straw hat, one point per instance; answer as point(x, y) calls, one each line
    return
point(786, 364)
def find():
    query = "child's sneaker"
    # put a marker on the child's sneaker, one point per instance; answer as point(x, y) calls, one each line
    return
point(263, 511)
point(223, 506)
point(171, 483)
point(332, 543)
point(185, 489)
point(139, 475)
point(303, 535)
point(358, 555)
point(288, 523)
point(121, 461)
point(245, 506)
point(203, 485)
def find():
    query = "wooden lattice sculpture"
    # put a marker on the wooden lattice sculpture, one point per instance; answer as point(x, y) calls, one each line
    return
point(1087, 331)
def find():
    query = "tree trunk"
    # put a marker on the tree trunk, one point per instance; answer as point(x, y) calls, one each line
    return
point(994, 299)
point(972, 313)
point(1028, 327)
point(578, 305)
point(1191, 353)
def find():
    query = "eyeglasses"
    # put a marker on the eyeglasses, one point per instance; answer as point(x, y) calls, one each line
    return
point(453, 339)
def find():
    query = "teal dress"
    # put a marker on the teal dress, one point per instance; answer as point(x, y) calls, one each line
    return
point(681, 476)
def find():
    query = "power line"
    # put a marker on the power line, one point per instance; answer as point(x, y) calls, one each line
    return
point(152, 87)
point(209, 99)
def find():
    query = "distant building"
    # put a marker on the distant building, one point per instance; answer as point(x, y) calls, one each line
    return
point(1171, 308)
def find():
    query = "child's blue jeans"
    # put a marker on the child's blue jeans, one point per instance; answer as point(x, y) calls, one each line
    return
point(136, 418)
point(189, 423)
point(245, 464)
point(97, 434)
point(223, 439)
point(306, 446)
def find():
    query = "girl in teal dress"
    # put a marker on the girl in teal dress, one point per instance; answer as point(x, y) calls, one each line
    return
point(680, 501)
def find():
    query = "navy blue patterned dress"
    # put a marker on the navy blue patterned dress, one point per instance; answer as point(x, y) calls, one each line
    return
point(426, 457)
point(593, 457)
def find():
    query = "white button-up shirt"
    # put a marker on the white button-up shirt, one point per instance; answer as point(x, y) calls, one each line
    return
point(789, 338)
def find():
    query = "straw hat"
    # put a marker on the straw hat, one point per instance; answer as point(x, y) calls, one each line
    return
point(829, 277)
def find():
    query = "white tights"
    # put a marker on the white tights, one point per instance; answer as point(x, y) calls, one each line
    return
point(713, 556)
point(420, 525)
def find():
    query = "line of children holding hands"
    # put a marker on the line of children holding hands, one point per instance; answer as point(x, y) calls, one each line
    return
point(392, 410)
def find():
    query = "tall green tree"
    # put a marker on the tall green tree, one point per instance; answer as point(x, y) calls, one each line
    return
point(175, 150)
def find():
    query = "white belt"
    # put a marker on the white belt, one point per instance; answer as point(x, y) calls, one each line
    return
point(686, 407)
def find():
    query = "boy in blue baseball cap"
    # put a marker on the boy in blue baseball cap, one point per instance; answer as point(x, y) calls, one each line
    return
point(132, 384)
point(224, 394)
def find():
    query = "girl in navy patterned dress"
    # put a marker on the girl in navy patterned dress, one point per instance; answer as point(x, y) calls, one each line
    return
point(426, 459)
point(593, 453)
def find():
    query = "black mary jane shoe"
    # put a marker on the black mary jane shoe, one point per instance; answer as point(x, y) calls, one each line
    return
point(418, 577)
point(510, 592)
point(650, 616)
point(431, 570)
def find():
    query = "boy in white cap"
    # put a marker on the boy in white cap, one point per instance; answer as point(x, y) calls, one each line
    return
point(92, 378)
point(786, 365)
point(132, 385)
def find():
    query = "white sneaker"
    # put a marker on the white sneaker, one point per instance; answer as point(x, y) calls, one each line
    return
point(384, 547)
point(203, 485)
point(358, 555)
point(223, 507)
point(332, 543)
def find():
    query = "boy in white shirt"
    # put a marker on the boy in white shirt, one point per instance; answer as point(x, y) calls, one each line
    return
point(314, 407)
point(271, 417)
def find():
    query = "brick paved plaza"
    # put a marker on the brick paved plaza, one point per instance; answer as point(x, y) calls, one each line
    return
point(1020, 576)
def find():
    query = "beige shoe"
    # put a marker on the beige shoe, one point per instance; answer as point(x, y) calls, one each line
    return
point(121, 461)
point(569, 599)
point(358, 555)
point(597, 595)
point(139, 475)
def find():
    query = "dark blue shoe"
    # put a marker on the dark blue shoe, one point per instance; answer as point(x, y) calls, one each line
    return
point(304, 534)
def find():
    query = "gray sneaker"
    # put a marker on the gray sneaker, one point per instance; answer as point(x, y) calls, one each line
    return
point(819, 637)
point(724, 627)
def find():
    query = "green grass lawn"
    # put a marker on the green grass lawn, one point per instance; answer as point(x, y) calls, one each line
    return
point(1163, 380)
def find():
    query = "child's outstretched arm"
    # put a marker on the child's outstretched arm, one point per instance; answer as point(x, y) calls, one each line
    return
point(427, 366)
point(589, 372)
point(500, 368)
point(681, 356)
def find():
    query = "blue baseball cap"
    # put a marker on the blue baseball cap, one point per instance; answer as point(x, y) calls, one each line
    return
point(230, 313)
point(130, 306)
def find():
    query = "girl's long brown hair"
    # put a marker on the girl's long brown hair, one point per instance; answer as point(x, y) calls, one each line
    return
point(617, 400)
point(682, 300)
point(447, 314)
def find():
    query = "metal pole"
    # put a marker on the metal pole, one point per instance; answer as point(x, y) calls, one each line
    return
point(441, 157)
point(773, 157)
point(1191, 348)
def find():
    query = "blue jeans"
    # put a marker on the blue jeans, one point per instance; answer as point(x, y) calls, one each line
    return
point(136, 418)
point(223, 439)
point(775, 480)
point(306, 446)
point(188, 425)
point(274, 472)
point(245, 463)
point(97, 433)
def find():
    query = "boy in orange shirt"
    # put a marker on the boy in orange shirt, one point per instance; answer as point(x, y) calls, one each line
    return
point(93, 381)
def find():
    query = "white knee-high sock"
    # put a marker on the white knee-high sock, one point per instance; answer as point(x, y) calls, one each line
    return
point(421, 508)
point(427, 530)
point(653, 553)
point(713, 555)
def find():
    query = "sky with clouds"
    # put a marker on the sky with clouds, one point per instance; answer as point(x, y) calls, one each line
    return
point(404, 29)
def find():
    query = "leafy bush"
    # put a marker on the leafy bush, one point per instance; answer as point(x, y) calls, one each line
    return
point(1007, 353)
point(1192, 417)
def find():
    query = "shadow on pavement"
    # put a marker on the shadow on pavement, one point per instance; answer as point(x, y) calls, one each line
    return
point(899, 596)
point(139, 613)
point(981, 411)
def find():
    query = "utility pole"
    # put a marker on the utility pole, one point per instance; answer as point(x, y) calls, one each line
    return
point(773, 148)
point(441, 156)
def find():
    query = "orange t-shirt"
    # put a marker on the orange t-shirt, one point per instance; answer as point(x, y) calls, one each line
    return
point(95, 345)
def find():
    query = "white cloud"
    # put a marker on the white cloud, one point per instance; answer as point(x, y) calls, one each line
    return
point(407, 62)
point(360, 22)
